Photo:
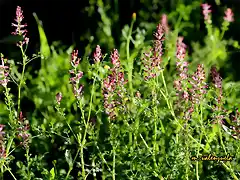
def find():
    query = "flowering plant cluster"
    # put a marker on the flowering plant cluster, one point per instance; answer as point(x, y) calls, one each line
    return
point(108, 132)
point(113, 86)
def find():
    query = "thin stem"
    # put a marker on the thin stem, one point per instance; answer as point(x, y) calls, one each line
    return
point(10, 172)
point(221, 140)
point(114, 164)
point(83, 141)
point(136, 131)
point(71, 168)
point(22, 78)
point(130, 61)
point(145, 142)
point(229, 170)
point(202, 129)
point(187, 151)
point(28, 165)
point(9, 104)
point(69, 171)
point(82, 162)
point(103, 159)
point(154, 94)
point(173, 114)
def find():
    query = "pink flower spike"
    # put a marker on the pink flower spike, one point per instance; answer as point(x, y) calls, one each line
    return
point(75, 60)
point(181, 49)
point(19, 27)
point(4, 72)
point(229, 15)
point(206, 11)
point(74, 55)
point(97, 54)
point(115, 58)
point(164, 22)
point(19, 14)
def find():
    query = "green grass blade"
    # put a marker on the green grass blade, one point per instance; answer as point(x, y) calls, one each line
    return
point(44, 47)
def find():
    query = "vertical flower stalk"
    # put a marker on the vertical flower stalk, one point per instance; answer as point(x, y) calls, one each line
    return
point(206, 13)
point(181, 84)
point(220, 113)
point(113, 86)
point(4, 80)
point(199, 85)
point(114, 93)
point(182, 68)
point(4, 72)
point(153, 59)
point(20, 28)
point(21, 31)
point(217, 81)
point(152, 62)
point(2, 142)
point(76, 75)
point(164, 22)
point(218, 108)
point(228, 18)
point(97, 55)
point(229, 15)
point(23, 131)
point(190, 89)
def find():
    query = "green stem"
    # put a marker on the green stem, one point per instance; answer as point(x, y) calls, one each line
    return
point(224, 29)
point(83, 141)
point(22, 78)
point(230, 170)
point(130, 61)
point(114, 164)
point(82, 162)
point(28, 165)
point(202, 130)
point(187, 152)
point(71, 168)
point(173, 114)
point(69, 171)
point(10, 172)
point(154, 94)
point(136, 132)
point(197, 173)
point(221, 140)
point(9, 104)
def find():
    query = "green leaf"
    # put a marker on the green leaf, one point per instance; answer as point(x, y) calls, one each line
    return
point(52, 174)
point(44, 48)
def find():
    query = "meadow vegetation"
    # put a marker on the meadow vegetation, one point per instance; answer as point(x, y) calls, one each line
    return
point(147, 110)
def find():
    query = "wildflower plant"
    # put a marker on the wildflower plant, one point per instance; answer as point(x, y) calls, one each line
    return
point(140, 113)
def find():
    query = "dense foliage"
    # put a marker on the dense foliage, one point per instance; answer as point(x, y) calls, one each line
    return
point(147, 110)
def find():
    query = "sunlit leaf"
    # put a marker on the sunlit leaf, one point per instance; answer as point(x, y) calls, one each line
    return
point(44, 48)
